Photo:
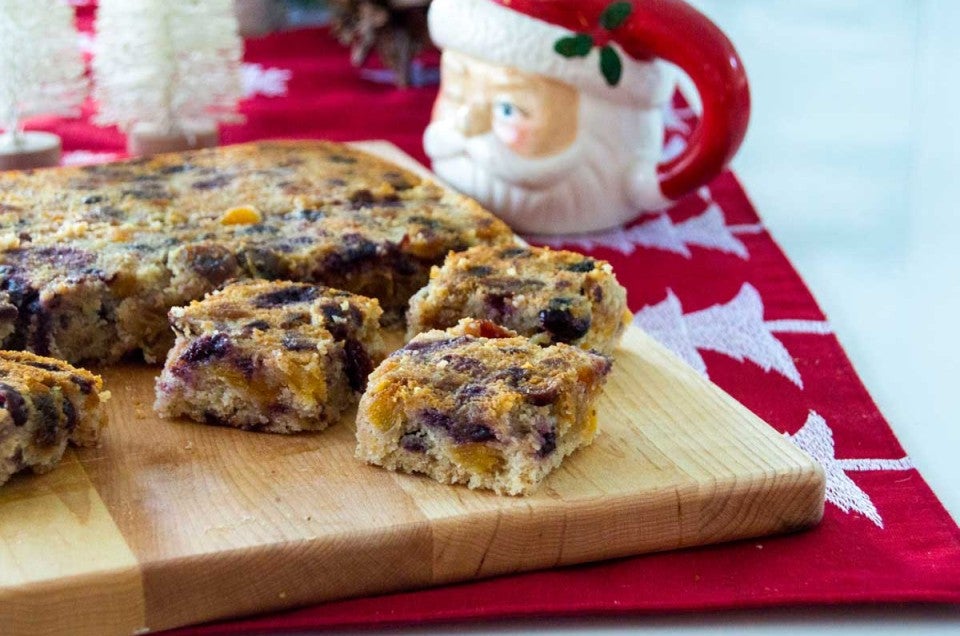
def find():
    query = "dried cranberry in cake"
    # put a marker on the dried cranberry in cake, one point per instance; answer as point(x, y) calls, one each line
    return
point(479, 405)
point(275, 356)
point(286, 295)
point(94, 258)
point(56, 301)
point(562, 320)
point(547, 295)
point(201, 267)
point(45, 404)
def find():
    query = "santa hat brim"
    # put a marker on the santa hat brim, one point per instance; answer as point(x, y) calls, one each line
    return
point(496, 34)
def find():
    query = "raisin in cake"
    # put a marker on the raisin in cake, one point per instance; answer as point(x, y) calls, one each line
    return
point(478, 405)
point(93, 258)
point(547, 295)
point(279, 357)
point(44, 405)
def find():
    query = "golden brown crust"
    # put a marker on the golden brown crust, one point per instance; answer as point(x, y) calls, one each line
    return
point(277, 356)
point(92, 258)
point(45, 404)
point(547, 295)
point(477, 404)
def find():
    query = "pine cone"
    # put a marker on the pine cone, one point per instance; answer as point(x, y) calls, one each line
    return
point(396, 28)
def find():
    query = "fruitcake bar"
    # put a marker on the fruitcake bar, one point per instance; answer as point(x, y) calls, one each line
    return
point(478, 405)
point(547, 295)
point(92, 258)
point(279, 357)
point(44, 404)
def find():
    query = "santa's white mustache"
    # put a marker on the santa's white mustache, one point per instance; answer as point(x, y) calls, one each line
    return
point(443, 143)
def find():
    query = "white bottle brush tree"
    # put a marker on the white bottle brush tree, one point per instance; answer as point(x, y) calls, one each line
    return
point(167, 72)
point(41, 73)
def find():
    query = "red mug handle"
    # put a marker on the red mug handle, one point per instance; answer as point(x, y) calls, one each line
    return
point(675, 31)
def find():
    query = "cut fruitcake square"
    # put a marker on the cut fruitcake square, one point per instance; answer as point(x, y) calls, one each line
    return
point(44, 405)
point(477, 404)
point(279, 357)
point(547, 295)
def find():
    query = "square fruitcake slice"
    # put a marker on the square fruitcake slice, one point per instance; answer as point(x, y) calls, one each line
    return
point(547, 295)
point(479, 405)
point(280, 357)
point(45, 404)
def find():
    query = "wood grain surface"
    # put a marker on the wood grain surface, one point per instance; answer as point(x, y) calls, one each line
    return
point(170, 522)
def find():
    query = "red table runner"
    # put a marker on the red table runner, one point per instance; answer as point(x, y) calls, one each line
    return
point(708, 280)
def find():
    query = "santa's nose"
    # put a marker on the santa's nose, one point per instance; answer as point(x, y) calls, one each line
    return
point(473, 119)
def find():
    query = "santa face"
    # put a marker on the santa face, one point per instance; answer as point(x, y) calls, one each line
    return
point(544, 156)
point(532, 115)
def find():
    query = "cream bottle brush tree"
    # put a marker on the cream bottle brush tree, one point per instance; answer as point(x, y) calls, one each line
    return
point(167, 72)
point(41, 73)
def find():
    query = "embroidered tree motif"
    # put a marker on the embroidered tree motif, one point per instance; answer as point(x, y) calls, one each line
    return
point(269, 82)
point(816, 439)
point(708, 231)
point(87, 157)
point(735, 329)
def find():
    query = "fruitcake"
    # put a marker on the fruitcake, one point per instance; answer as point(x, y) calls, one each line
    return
point(44, 405)
point(92, 258)
point(547, 295)
point(279, 357)
point(479, 405)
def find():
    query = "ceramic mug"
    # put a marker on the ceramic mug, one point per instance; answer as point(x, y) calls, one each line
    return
point(550, 112)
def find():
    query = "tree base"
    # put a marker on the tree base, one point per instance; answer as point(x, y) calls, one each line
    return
point(33, 150)
point(256, 18)
point(145, 141)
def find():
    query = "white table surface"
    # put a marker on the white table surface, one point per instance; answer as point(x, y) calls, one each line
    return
point(853, 160)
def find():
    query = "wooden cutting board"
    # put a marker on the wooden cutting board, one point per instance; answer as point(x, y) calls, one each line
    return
point(171, 523)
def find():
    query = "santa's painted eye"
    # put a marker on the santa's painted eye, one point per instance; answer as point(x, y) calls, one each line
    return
point(506, 110)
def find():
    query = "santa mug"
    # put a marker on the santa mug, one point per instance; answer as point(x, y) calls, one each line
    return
point(550, 112)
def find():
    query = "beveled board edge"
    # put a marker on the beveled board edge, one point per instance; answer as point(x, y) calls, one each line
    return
point(481, 545)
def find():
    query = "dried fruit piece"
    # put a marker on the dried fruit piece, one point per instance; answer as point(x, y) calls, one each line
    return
point(45, 404)
point(266, 356)
point(479, 405)
point(241, 215)
point(548, 295)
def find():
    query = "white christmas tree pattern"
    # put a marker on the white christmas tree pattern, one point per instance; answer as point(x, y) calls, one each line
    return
point(269, 82)
point(735, 329)
point(677, 120)
point(816, 439)
point(673, 148)
point(87, 157)
point(85, 42)
point(708, 230)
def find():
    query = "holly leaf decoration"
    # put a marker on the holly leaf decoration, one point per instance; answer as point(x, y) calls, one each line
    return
point(615, 15)
point(610, 65)
point(578, 45)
